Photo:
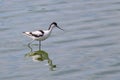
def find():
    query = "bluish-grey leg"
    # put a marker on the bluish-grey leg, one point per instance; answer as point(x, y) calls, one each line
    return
point(30, 46)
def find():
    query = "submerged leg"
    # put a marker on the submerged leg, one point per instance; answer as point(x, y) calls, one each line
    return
point(39, 45)
point(30, 46)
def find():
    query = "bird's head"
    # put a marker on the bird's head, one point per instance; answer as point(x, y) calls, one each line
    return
point(54, 24)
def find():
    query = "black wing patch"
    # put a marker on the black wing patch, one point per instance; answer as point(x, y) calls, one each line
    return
point(37, 35)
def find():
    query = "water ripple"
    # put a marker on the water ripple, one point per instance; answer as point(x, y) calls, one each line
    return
point(89, 46)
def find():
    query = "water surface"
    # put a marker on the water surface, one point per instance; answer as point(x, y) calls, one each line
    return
point(88, 49)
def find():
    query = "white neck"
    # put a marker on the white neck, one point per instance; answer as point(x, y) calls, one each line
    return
point(51, 27)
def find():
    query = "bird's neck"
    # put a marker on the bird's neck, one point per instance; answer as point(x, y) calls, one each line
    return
point(51, 27)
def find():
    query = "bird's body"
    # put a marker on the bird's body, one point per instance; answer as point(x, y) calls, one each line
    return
point(41, 35)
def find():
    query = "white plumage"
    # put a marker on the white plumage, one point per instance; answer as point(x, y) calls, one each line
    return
point(41, 35)
point(37, 35)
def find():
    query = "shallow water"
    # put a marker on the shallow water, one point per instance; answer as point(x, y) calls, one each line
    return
point(88, 49)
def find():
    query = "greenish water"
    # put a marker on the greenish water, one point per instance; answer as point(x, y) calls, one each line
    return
point(88, 49)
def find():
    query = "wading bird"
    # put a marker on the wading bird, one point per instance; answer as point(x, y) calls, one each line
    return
point(41, 35)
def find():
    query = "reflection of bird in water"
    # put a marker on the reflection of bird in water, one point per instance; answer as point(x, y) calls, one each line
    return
point(41, 35)
point(36, 58)
point(41, 55)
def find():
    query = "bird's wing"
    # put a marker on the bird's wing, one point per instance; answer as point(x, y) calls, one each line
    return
point(37, 33)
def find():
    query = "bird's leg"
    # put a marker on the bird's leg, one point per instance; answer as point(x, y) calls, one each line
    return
point(39, 45)
point(30, 46)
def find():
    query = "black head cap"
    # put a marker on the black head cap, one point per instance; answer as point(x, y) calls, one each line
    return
point(54, 23)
